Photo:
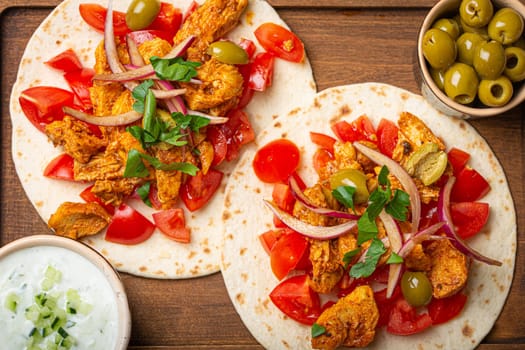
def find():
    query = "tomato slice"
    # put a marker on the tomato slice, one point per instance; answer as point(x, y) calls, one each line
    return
point(322, 140)
point(470, 186)
point(404, 320)
point(276, 161)
point(443, 310)
point(89, 197)
point(66, 61)
point(168, 20)
point(128, 226)
point(458, 159)
point(61, 168)
point(238, 132)
point(297, 300)
point(247, 92)
point(261, 72)
point(385, 305)
point(43, 104)
point(387, 136)
point(171, 222)
point(248, 46)
point(321, 157)
point(80, 81)
point(95, 16)
point(286, 253)
point(270, 237)
point(282, 196)
point(199, 189)
point(469, 217)
point(280, 41)
point(218, 140)
point(360, 129)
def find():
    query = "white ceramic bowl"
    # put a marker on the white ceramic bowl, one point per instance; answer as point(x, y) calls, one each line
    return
point(97, 278)
point(430, 90)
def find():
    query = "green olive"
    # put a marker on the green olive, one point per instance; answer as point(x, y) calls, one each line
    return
point(228, 52)
point(495, 93)
point(489, 59)
point(416, 288)
point(515, 63)
point(461, 83)
point(449, 26)
point(439, 48)
point(506, 26)
point(479, 30)
point(354, 178)
point(476, 13)
point(427, 163)
point(141, 13)
point(466, 44)
point(438, 75)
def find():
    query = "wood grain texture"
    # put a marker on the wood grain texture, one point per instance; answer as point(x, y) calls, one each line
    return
point(347, 42)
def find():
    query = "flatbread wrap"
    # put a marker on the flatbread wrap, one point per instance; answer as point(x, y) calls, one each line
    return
point(247, 262)
point(158, 256)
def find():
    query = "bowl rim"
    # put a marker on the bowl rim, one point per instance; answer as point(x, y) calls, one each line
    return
point(94, 257)
point(444, 6)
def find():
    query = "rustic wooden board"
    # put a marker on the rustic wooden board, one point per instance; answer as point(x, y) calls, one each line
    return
point(347, 42)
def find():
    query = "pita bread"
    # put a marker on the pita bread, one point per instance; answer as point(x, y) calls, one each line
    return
point(158, 257)
point(246, 266)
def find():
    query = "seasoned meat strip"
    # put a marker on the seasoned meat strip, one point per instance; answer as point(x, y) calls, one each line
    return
point(76, 220)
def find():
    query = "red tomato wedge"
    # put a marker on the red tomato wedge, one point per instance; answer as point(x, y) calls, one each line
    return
point(443, 310)
point(321, 157)
point(360, 129)
point(387, 136)
point(404, 320)
point(470, 186)
point(89, 197)
point(247, 92)
point(248, 46)
point(261, 72)
point(128, 226)
point(282, 196)
point(171, 222)
point(458, 159)
point(216, 136)
point(297, 300)
point(199, 189)
point(286, 253)
point(385, 305)
point(95, 16)
point(469, 217)
point(276, 161)
point(66, 61)
point(61, 168)
point(167, 21)
point(280, 41)
point(43, 104)
point(322, 140)
point(270, 237)
point(80, 81)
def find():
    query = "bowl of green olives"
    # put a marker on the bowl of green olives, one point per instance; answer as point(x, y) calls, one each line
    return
point(471, 57)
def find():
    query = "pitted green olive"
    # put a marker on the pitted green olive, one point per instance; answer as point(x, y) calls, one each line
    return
point(515, 63)
point(416, 288)
point(476, 13)
point(489, 59)
point(449, 26)
point(439, 48)
point(228, 52)
point(506, 26)
point(354, 178)
point(495, 93)
point(466, 44)
point(461, 83)
point(141, 13)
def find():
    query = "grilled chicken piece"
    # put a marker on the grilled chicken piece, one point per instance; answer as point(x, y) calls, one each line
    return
point(76, 220)
point(156, 47)
point(114, 191)
point(76, 138)
point(449, 271)
point(169, 181)
point(326, 265)
point(350, 322)
point(209, 22)
point(418, 260)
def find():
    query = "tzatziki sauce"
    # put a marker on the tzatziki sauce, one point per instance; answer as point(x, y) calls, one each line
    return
point(22, 276)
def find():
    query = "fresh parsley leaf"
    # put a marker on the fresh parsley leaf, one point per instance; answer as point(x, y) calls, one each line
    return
point(184, 167)
point(373, 254)
point(345, 195)
point(366, 228)
point(398, 206)
point(347, 258)
point(317, 330)
point(394, 259)
point(382, 178)
point(193, 122)
point(143, 192)
point(174, 69)
point(134, 165)
point(377, 201)
point(139, 94)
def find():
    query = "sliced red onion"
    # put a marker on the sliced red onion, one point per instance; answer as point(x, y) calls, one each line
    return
point(299, 195)
point(419, 237)
point(316, 232)
point(396, 241)
point(406, 180)
point(112, 120)
point(214, 120)
point(449, 229)
point(174, 104)
point(134, 55)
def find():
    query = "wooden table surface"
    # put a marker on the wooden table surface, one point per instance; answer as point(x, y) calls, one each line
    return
point(347, 42)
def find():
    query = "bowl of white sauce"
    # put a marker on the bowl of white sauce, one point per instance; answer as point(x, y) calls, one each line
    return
point(57, 293)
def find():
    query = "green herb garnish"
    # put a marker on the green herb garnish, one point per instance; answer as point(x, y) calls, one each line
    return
point(366, 267)
point(317, 330)
point(135, 166)
point(174, 69)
